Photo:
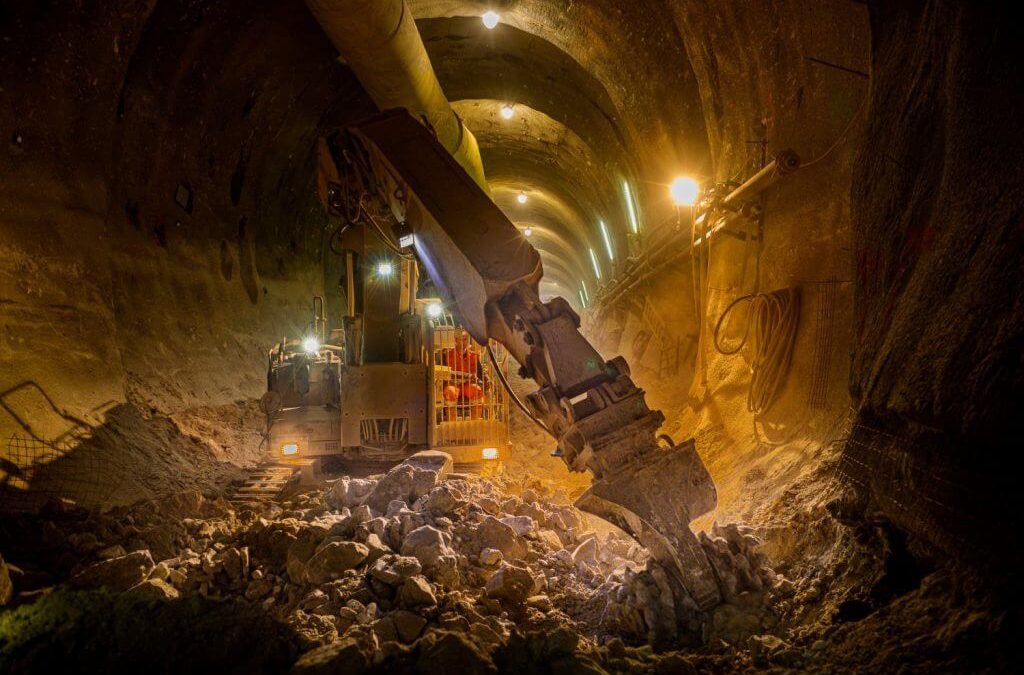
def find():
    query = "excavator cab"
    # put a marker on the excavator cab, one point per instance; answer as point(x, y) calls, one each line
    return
point(359, 394)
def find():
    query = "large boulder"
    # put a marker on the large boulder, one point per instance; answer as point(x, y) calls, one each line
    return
point(441, 463)
point(401, 483)
point(446, 652)
point(349, 492)
point(333, 558)
point(426, 544)
point(343, 656)
point(443, 499)
point(117, 574)
point(156, 589)
point(492, 533)
point(394, 570)
point(416, 592)
point(511, 584)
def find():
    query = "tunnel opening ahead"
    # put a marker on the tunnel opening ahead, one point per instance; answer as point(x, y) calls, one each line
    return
point(650, 337)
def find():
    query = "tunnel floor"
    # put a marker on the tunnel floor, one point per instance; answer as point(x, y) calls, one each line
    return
point(411, 571)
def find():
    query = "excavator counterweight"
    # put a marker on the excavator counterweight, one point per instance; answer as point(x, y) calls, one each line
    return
point(490, 273)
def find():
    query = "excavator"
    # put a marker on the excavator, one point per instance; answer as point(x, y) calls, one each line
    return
point(389, 172)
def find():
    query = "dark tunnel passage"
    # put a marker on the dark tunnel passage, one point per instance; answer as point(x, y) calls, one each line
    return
point(311, 314)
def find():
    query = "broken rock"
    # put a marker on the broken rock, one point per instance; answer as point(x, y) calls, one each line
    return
point(416, 592)
point(492, 533)
point(426, 544)
point(331, 559)
point(118, 574)
point(156, 589)
point(511, 584)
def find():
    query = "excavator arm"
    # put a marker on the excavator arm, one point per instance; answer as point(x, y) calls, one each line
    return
point(643, 483)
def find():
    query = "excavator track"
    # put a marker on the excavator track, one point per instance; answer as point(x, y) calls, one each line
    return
point(264, 483)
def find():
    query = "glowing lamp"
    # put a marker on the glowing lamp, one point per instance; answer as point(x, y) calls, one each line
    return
point(434, 310)
point(490, 19)
point(385, 269)
point(684, 191)
point(290, 449)
point(489, 453)
point(311, 345)
point(507, 111)
point(522, 197)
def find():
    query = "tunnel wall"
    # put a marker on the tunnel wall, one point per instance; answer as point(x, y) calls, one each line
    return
point(937, 365)
point(158, 219)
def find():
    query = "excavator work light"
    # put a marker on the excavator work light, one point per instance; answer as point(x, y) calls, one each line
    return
point(311, 345)
point(434, 310)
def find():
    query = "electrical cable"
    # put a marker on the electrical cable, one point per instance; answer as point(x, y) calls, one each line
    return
point(774, 317)
point(519, 403)
point(842, 136)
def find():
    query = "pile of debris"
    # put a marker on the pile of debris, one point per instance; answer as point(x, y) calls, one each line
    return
point(419, 563)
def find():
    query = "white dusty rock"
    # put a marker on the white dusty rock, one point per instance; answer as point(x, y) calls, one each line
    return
point(492, 533)
point(349, 492)
point(405, 483)
point(521, 525)
point(426, 544)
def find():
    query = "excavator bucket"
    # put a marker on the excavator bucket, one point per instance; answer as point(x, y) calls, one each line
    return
point(654, 499)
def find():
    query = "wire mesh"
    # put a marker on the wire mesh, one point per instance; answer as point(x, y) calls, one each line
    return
point(34, 471)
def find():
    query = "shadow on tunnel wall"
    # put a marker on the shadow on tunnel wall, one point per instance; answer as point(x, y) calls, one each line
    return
point(124, 458)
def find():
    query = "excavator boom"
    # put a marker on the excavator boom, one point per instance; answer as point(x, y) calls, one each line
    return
point(488, 270)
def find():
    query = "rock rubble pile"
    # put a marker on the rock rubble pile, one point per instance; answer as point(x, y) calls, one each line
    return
point(419, 563)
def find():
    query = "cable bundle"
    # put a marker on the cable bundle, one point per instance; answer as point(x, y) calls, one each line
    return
point(774, 317)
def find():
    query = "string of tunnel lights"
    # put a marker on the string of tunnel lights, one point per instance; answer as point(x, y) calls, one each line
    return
point(683, 191)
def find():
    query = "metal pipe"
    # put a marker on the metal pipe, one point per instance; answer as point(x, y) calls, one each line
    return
point(380, 42)
point(785, 163)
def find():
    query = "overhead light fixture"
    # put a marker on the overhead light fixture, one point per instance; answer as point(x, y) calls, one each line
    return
point(634, 221)
point(311, 345)
point(527, 231)
point(585, 293)
point(434, 310)
point(597, 268)
point(583, 300)
point(490, 19)
point(385, 269)
point(607, 241)
point(507, 111)
point(522, 197)
point(684, 191)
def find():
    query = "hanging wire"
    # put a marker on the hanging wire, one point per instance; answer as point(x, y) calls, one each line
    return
point(774, 317)
point(515, 398)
